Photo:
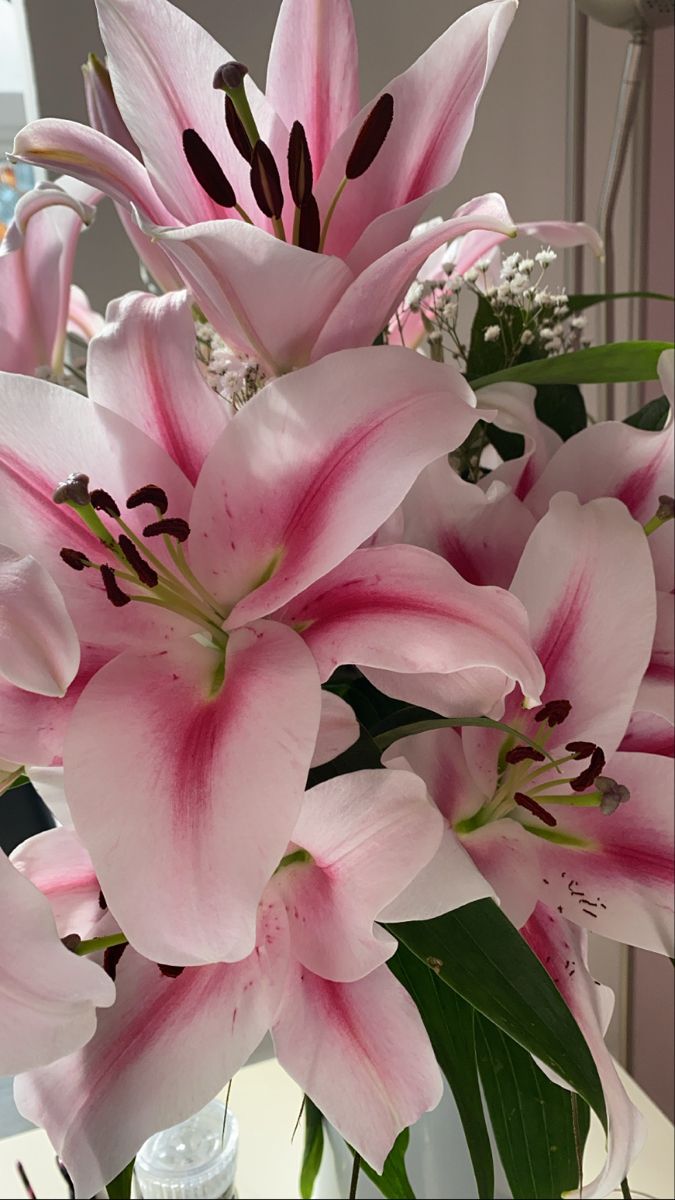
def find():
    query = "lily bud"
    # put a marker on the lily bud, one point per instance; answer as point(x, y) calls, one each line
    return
point(300, 173)
point(371, 136)
point(207, 170)
point(266, 182)
point(102, 109)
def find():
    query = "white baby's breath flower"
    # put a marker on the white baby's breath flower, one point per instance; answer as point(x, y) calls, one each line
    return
point(526, 337)
point(578, 322)
point(546, 257)
point(492, 333)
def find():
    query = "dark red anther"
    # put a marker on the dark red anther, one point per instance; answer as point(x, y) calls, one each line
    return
point(300, 173)
point(73, 490)
point(112, 588)
point(207, 170)
point(169, 971)
point(236, 130)
point(111, 957)
point(589, 776)
point(145, 572)
point(71, 941)
point(230, 76)
point(309, 227)
point(534, 808)
point(174, 527)
point(149, 494)
point(554, 712)
point(265, 181)
point(371, 136)
point(104, 502)
point(74, 558)
point(102, 901)
point(523, 753)
point(580, 750)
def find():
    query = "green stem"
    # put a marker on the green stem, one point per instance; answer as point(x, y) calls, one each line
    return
point(329, 215)
point(589, 800)
point(655, 523)
point(91, 945)
point(243, 213)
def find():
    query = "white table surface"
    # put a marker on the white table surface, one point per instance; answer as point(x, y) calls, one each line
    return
point(267, 1102)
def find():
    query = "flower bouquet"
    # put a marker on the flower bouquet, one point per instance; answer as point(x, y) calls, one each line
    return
point(391, 729)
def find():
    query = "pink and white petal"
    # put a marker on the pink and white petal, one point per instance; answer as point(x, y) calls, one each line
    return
point(478, 691)
point(449, 881)
point(83, 320)
point(657, 690)
point(39, 648)
point(361, 1053)
point(506, 855)
point(514, 405)
point(404, 610)
point(666, 370)
point(364, 309)
point(435, 104)
point(164, 1049)
point(49, 784)
point(313, 71)
point(33, 727)
point(151, 253)
point(437, 756)
point(613, 459)
point(184, 818)
point(143, 365)
point(338, 730)
point(562, 950)
point(49, 432)
point(45, 195)
point(48, 996)
point(481, 534)
point(368, 834)
point(618, 881)
point(587, 582)
point(313, 465)
point(162, 65)
point(649, 733)
point(263, 296)
point(58, 865)
point(79, 150)
point(563, 234)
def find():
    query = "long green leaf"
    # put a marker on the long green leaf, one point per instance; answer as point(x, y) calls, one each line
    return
point(651, 416)
point(393, 1182)
point(561, 406)
point(313, 1149)
point(119, 1188)
point(531, 1118)
point(580, 301)
point(449, 1022)
point(619, 362)
point(480, 954)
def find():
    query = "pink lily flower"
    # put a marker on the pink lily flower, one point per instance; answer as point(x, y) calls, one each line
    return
point(342, 1026)
point(592, 835)
point(278, 594)
point(36, 267)
point(48, 996)
point(562, 949)
point(210, 196)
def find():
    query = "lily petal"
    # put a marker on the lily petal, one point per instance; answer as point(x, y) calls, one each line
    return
point(170, 746)
point(289, 488)
point(159, 1054)
point(39, 649)
point(315, 80)
point(562, 950)
point(361, 1053)
point(407, 612)
point(58, 865)
point(339, 729)
point(514, 407)
point(587, 583)
point(435, 104)
point(619, 880)
point(162, 65)
point(368, 834)
point(143, 366)
point(48, 996)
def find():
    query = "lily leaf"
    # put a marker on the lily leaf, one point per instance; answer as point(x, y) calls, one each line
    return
point(651, 416)
point(580, 301)
point(478, 952)
point(561, 407)
point(619, 362)
point(313, 1149)
point(449, 1021)
point(532, 1118)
